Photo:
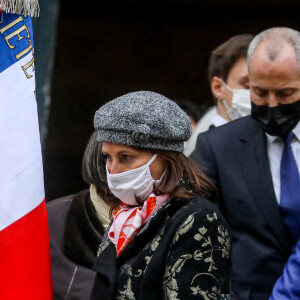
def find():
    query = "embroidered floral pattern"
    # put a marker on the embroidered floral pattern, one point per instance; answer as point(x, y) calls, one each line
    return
point(184, 228)
point(170, 283)
point(207, 295)
point(192, 264)
point(127, 293)
point(155, 242)
point(224, 240)
point(208, 248)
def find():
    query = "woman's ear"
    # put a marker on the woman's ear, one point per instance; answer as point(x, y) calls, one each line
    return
point(217, 87)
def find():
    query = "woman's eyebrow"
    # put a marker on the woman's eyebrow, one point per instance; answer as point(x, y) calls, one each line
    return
point(124, 152)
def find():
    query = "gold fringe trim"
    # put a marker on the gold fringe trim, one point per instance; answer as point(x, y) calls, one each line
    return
point(24, 7)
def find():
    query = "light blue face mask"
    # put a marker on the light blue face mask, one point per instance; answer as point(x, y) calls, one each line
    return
point(128, 185)
point(241, 103)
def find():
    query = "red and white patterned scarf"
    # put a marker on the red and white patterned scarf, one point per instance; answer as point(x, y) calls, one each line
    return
point(128, 220)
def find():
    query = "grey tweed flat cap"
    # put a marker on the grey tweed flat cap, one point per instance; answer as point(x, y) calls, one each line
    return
point(143, 120)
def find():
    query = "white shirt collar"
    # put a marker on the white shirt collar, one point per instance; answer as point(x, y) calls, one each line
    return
point(296, 131)
point(217, 120)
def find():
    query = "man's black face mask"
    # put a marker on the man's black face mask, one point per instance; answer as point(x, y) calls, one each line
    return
point(278, 120)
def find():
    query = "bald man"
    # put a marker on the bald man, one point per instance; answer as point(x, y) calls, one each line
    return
point(255, 163)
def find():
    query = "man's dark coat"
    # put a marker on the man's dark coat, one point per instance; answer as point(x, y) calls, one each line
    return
point(235, 158)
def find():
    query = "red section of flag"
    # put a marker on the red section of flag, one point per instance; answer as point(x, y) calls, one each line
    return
point(24, 245)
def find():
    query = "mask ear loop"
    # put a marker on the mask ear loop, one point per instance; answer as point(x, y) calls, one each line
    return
point(230, 89)
point(152, 159)
point(227, 86)
point(160, 179)
point(225, 104)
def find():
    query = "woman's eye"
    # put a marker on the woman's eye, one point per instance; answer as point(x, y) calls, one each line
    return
point(126, 157)
point(106, 157)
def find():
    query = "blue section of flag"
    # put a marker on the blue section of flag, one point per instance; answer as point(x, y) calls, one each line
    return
point(10, 56)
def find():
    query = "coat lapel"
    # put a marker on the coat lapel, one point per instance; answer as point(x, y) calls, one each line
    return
point(106, 267)
point(255, 164)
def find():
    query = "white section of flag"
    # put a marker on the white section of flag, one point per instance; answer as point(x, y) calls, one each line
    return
point(21, 173)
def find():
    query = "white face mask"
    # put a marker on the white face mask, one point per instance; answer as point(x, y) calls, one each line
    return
point(128, 185)
point(241, 103)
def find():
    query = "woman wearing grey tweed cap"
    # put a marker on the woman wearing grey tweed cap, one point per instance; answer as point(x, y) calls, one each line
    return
point(166, 240)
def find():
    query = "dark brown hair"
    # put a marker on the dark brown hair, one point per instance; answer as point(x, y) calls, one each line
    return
point(93, 170)
point(182, 179)
point(224, 57)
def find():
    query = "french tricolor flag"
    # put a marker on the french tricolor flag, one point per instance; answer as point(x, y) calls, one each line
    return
point(25, 271)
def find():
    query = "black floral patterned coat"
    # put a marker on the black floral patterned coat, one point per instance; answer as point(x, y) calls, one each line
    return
point(182, 253)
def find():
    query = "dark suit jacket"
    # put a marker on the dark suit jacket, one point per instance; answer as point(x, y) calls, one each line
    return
point(235, 158)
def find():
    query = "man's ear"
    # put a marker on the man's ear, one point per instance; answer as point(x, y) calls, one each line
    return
point(217, 87)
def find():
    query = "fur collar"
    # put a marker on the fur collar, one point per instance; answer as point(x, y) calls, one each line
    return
point(83, 230)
